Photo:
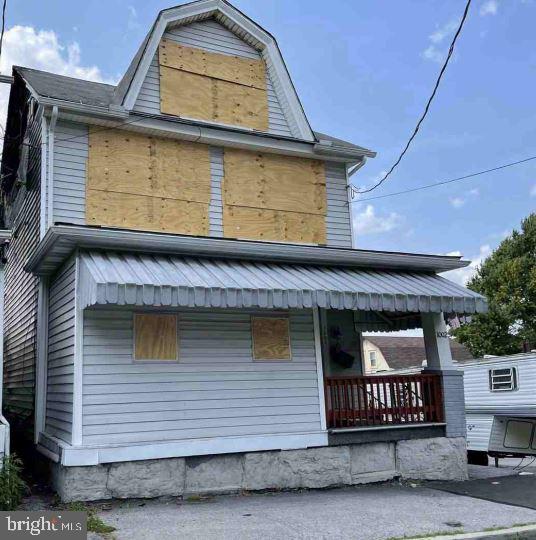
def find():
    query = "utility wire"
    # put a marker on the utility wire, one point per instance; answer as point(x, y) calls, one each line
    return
point(3, 26)
point(356, 191)
point(443, 182)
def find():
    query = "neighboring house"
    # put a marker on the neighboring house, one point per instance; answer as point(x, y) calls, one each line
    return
point(384, 353)
point(181, 282)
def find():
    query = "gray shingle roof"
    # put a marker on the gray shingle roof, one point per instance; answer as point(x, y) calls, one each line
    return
point(65, 88)
point(408, 352)
point(97, 94)
point(340, 142)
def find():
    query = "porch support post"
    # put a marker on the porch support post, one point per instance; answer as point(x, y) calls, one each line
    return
point(439, 360)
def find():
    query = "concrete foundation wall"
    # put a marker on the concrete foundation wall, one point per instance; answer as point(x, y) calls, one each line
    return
point(428, 459)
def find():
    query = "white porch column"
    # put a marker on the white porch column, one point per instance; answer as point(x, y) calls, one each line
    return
point(439, 360)
point(436, 341)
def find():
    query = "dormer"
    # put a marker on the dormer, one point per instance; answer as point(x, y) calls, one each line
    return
point(206, 61)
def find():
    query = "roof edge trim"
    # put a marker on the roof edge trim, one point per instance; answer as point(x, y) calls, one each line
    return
point(61, 240)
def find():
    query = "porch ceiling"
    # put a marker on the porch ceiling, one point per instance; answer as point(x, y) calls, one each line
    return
point(180, 281)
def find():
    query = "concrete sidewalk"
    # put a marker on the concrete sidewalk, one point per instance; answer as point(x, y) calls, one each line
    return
point(373, 512)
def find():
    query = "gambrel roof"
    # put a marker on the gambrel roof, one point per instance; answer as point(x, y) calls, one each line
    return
point(238, 23)
point(121, 100)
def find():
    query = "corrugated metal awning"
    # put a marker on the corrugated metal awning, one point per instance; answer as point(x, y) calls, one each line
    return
point(145, 280)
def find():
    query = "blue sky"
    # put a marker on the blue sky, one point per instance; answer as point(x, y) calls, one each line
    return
point(363, 71)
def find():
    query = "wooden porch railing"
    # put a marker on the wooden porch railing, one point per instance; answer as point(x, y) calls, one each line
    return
point(383, 400)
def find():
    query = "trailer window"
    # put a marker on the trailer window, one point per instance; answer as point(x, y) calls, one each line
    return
point(503, 379)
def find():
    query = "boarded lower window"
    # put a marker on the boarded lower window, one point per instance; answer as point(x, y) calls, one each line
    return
point(155, 337)
point(271, 338)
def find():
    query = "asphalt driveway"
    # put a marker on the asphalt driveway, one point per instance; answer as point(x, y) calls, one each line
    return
point(371, 512)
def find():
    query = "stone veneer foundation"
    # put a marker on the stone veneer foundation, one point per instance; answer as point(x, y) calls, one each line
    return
point(438, 458)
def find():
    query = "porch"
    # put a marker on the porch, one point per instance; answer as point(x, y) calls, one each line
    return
point(383, 401)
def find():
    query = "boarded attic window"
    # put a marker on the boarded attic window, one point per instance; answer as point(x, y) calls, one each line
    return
point(155, 337)
point(271, 338)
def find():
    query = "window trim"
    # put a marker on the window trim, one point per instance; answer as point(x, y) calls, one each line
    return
point(155, 360)
point(372, 359)
point(513, 382)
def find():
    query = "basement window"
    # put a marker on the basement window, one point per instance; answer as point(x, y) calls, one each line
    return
point(503, 379)
point(155, 337)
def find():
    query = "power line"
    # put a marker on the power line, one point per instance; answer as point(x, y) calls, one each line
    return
point(443, 182)
point(3, 25)
point(355, 190)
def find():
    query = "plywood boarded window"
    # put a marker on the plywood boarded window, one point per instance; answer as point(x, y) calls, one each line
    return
point(148, 183)
point(271, 338)
point(209, 86)
point(274, 197)
point(155, 337)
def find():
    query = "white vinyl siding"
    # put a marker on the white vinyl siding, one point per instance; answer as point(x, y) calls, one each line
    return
point(21, 288)
point(211, 36)
point(70, 162)
point(338, 224)
point(216, 177)
point(216, 389)
point(60, 361)
point(70, 158)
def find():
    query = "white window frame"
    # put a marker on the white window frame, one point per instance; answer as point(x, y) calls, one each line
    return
point(506, 381)
point(372, 359)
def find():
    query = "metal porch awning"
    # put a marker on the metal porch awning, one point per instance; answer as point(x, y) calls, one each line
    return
point(108, 278)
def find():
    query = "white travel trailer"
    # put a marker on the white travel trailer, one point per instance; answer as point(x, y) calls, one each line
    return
point(500, 405)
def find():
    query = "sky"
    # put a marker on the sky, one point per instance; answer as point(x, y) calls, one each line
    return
point(363, 71)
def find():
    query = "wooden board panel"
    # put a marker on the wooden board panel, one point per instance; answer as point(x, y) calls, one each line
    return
point(155, 337)
point(147, 183)
point(244, 71)
point(203, 98)
point(137, 164)
point(140, 212)
point(273, 181)
point(185, 94)
point(240, 105)
point(271, 338)
point(273, 225)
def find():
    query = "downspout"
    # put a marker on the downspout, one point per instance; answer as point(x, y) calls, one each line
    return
point(44, 178)
point(354, 169)
point(50, 182)
point(349, 195)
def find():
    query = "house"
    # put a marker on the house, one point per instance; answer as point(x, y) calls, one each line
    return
point(384, 353)
point(183, 299)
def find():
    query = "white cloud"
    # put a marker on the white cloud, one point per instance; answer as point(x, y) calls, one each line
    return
point(41, 49)
point(533, 191)
point(489, 7)
point(367, 222)
point(457, 202)
point(463, 275)
point(132, 22)
point(475, 192)
point(441, 33)
point(434, 52)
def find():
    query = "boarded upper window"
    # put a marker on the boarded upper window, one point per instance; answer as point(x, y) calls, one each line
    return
point(271, 338)
point(147, 183)
point(209, 86)
point(274, 197)
point(155, 337)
